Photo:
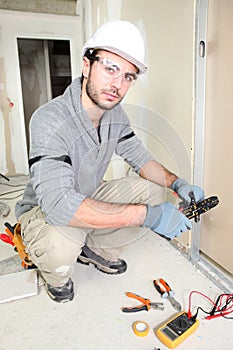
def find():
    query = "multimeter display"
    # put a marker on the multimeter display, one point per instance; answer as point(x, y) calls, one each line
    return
point(173, 332)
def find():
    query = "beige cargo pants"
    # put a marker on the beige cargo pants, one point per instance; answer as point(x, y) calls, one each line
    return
point(54, 250)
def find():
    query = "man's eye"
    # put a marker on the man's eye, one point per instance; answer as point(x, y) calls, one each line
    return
point(129, 77)
point(111, 69)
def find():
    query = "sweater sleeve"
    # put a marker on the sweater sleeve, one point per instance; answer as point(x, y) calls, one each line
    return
point(51, 171)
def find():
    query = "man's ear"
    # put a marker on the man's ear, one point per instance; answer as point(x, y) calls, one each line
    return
point(86, 67)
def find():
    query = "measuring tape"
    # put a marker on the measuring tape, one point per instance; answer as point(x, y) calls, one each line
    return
point(140, 328)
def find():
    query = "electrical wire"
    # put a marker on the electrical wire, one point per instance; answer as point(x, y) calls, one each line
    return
point(11, 185)
point(11, 198)
point(9, 192)
point(4, 177)
point(14, 191)
point(221, 307)
point(4, 209)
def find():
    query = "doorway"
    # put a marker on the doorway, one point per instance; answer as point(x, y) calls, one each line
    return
point(45, 72)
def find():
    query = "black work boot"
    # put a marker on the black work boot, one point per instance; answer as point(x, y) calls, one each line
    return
point(61, 294)
point(87, 256)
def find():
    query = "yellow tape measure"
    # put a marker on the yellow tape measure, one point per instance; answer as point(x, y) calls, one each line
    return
point(140, 328)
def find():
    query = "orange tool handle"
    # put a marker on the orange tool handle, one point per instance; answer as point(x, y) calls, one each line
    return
point(137, 297)
point(165, 284)
point(161, 286)
point(9, 232)
point(144, 306)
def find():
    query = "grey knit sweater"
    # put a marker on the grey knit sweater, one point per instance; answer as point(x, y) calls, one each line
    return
point(69, 157)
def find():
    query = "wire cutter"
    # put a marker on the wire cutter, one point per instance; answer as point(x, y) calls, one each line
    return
point(146, 304)
point(165, 290)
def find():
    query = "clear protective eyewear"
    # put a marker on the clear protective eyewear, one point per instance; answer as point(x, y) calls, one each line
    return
point(112, 70)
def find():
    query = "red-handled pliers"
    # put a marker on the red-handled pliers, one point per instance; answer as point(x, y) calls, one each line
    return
point(146, 304)
point(165, 290)
point(8, 236)
point(5, 238)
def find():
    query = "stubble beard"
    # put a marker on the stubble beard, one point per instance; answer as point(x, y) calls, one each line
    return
point(92, 93)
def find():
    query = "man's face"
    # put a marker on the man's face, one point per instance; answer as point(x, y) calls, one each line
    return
point(108, 79)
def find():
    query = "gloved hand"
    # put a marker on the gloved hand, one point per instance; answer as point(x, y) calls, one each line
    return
point(166, 220)
point(183, 189)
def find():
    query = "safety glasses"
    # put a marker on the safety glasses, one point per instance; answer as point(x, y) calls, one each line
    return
point(113, 70)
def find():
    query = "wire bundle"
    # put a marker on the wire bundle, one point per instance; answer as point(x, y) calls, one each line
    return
point(222, 307)
point(5, 207)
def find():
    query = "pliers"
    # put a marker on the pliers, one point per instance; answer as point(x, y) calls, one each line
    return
point(146, 304)
point(165, 290)
point(9, 235)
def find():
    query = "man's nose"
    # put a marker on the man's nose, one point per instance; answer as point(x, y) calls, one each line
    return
point(117, 82)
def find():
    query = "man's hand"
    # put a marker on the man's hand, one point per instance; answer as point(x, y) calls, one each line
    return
point(166, 220)
point(183, 189)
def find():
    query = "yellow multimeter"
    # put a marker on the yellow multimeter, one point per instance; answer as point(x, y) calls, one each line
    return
point(176, 329)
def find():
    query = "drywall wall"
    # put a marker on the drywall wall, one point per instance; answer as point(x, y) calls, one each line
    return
point(160, 105)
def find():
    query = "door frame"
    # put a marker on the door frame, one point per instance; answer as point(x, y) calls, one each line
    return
point(209, 268)
point(200, 84)
point(73, 68)
point(15, 25)
point(47, 75)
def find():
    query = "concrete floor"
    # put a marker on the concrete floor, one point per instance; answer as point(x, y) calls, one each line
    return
point(94, 320)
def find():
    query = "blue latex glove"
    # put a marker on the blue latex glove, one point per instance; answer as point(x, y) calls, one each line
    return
point(166, 220)
point(183, 189)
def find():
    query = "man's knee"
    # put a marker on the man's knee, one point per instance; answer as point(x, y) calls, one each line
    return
point(154, 194)
point(53, 252)
point(130, 190)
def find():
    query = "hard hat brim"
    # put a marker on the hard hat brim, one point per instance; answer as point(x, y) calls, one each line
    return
point(140, 66)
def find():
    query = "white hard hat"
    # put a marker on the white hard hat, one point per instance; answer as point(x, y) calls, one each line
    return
point(122, 38)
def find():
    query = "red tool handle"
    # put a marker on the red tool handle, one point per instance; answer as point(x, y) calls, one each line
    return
point(5, 238)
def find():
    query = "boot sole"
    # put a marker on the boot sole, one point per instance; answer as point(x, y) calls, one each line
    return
point(102, 268)
point(60, 299)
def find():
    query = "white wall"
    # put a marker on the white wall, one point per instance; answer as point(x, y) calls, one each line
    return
point(160, 106)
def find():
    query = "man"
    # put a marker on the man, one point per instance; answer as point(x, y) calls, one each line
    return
point(68, 212)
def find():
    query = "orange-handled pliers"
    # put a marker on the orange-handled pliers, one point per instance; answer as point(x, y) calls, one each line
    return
point(146, 304)
point(165, 290)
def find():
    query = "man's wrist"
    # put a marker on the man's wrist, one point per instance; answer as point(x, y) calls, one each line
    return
point(153, 215)
point(173, 184)
point(178, 183)
point(144, 214)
